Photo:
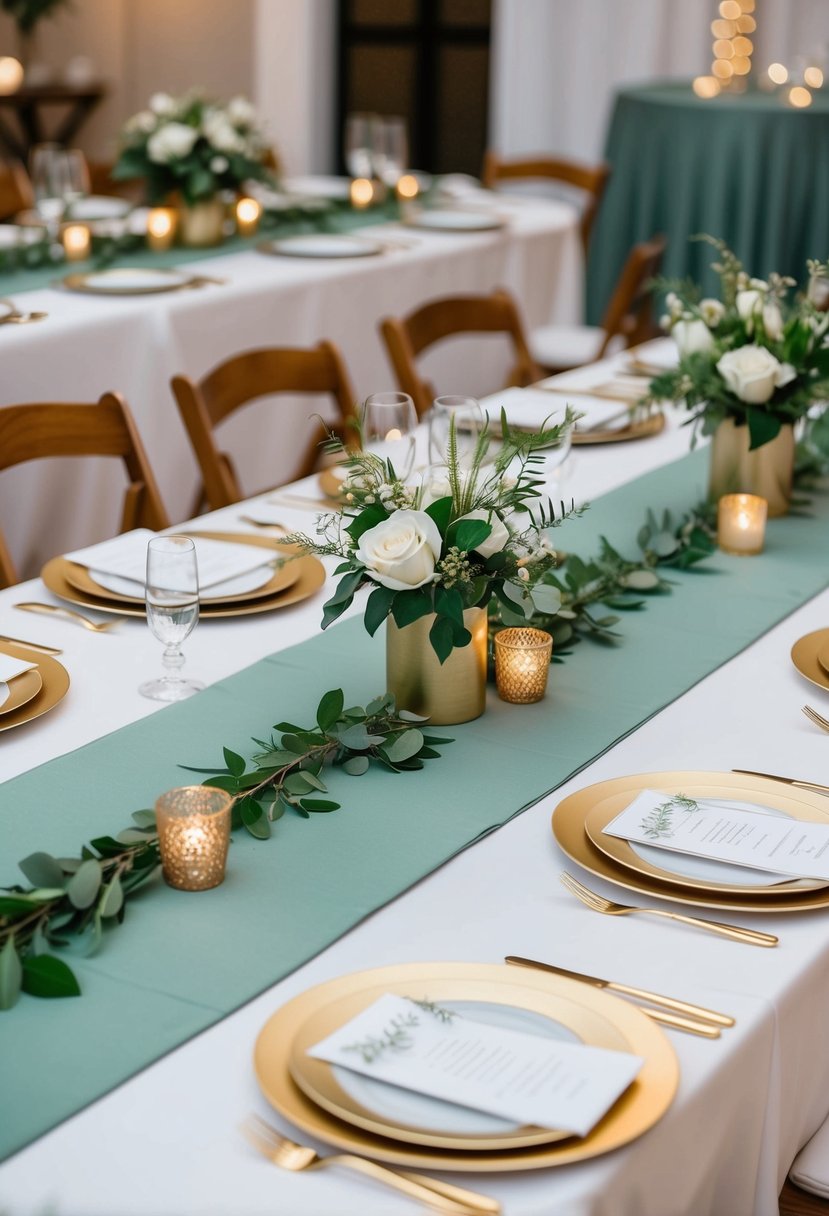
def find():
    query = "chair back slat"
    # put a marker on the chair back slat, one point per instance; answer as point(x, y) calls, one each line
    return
point(630, 311)
point(591, 179)
point(16, 192)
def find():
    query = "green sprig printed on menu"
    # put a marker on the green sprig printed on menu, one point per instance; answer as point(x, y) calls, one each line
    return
point(71, 900)
point(658, 823)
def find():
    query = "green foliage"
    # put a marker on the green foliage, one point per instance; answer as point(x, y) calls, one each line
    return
point(26, 14)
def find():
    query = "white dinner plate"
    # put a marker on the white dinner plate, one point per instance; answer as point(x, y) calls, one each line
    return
point(99, 207)
point(252, 580)
point(127, 281)
point(447, 220)
point(323, 245)
point(5, 693)
point(318, 186)
point(12, 235)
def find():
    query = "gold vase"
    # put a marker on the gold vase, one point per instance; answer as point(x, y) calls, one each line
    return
point(767, 471)
point(447, 693)
point(202, 224)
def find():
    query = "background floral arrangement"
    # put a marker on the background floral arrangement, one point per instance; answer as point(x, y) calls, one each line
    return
point(193, 145)
point(752, 356)
point(459, 539)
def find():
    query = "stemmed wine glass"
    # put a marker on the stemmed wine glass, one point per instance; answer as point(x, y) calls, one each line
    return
point(389, 421)
point(358, 144)
point(49, 169)
point(469, 423)
point(172, 598)
point(389, 150)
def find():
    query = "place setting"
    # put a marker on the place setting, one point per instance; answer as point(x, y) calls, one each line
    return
point(31, 682)
point(601, 420)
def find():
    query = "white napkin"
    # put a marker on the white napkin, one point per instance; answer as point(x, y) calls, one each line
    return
point(126, 557)
point(10, 667)
point(660, 354)
point(530, 408)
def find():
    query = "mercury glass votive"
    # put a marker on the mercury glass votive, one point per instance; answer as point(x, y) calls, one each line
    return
point(362, 193)
point(407, 188)
point(193, 835)
point(248, 214)
point(741, 524)
point(522, 663)
point(77, 242)
point(161, 228)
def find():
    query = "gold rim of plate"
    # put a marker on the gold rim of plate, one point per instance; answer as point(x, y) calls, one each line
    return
point(309, 580)
point(79, 281)
point(358, 247)
point(806, 656)
point(646, 429)
point(54, 680)
point(639, 1108)
point(22, 689)
point(785, 798)
point(80, 578)
point(569, 831)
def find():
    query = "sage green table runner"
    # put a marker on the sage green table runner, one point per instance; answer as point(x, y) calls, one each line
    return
point(183, 961)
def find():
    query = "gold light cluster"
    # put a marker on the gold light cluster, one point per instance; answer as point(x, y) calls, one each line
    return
point(732, 49)
point(798, 95)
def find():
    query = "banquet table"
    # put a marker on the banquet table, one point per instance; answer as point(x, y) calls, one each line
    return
point(746, 1103)
point(134, 345)
point(745, 167)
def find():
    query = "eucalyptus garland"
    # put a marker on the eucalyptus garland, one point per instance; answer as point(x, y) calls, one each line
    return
point(72, 899)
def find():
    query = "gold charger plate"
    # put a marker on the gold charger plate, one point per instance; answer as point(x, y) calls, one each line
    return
point(654, 424)
point(568, 829)
point(54, 687)
point(823, 657)
point(310, 578)
point(806, 654)
point(638, 1109)
point(22, 689)
point(80, 578)
point(172, 280)
point(698, 785)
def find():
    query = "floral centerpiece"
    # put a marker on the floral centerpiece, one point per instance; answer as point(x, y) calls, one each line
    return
point(435, 554)
point(192, 147)
point(751, 364)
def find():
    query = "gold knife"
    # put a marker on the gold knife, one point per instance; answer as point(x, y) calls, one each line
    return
point(30, 645)
point(804, 785)
point(667, 1002)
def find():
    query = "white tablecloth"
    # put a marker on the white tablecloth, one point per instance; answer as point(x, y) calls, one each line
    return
point(89, 345)
point(167, 1141)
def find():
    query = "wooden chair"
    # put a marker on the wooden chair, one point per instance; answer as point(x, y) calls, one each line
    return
point(591, 179)
point(107, 428)
point(15, 189)
point(243, 378)
point(628, 319)
point(101, 181)
point(406, 338)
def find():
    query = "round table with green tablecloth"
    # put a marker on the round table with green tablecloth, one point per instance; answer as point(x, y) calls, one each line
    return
point(749, 168)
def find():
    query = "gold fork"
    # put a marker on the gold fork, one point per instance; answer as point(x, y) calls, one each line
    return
point(451, 1200)
point(752, 937)
point(71, 615)
point(814, 716)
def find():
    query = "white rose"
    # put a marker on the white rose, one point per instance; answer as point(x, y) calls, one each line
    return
point(674, 304)
point(401, 551)
point(773, 321)
point(218, 164)
point(144, 121)
point(498, 537)
point(239, 110)
point(171, 142)
point(163, 104)
point(692, 337)
point(752, 373)
point(749, 303)
point(712, 312)
point(219, 132)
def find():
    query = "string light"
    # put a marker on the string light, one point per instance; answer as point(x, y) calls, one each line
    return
point(813, 77)
point(732, 50)
point(778, 73)
point(800, 97)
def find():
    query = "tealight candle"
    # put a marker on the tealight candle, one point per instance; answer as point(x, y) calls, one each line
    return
point(193, 835)
point(361, 193)
point(77, 242)
point(741, 523)
point(522, 663)
point(161, 228)
point(248, 214)
point(407, 188)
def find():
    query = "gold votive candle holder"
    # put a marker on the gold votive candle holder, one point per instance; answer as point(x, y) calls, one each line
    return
point(193, 825)
point(161, 228)
point(77, 242)
point(362, 193)
point(407, 188)
point(522, 664)
point(248, 214)
point(741, 524)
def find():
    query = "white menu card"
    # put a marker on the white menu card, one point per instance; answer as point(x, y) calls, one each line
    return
point(757, 839)
point(529, 408)
point(536, 1081)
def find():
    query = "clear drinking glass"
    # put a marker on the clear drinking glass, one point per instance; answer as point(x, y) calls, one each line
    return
point(389, 422)
point(172, 598)
point(49, 170)
point(469, 423)
point(358, 145)
point(389, 149)
point(76, 183)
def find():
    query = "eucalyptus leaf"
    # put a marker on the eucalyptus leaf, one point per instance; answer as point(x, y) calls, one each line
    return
point(330, 708)
point(144, 819)
point(356, 765)
point(46, 976)
point(112, 899)
point(358, 737)
point(405, 746)
point(235, 763)
point(84, 885)
point(42, 870)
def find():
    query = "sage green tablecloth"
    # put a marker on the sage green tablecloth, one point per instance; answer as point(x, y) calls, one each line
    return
point(746, 167)
point(183, 961)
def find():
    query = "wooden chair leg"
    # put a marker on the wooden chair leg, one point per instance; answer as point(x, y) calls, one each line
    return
point(794, 1202)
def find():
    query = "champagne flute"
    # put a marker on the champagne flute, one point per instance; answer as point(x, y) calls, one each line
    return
point(358, 128)
point(390, 151)
point(49, 171)
point(469, 423)
point(172, 598)
point(389, 422)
